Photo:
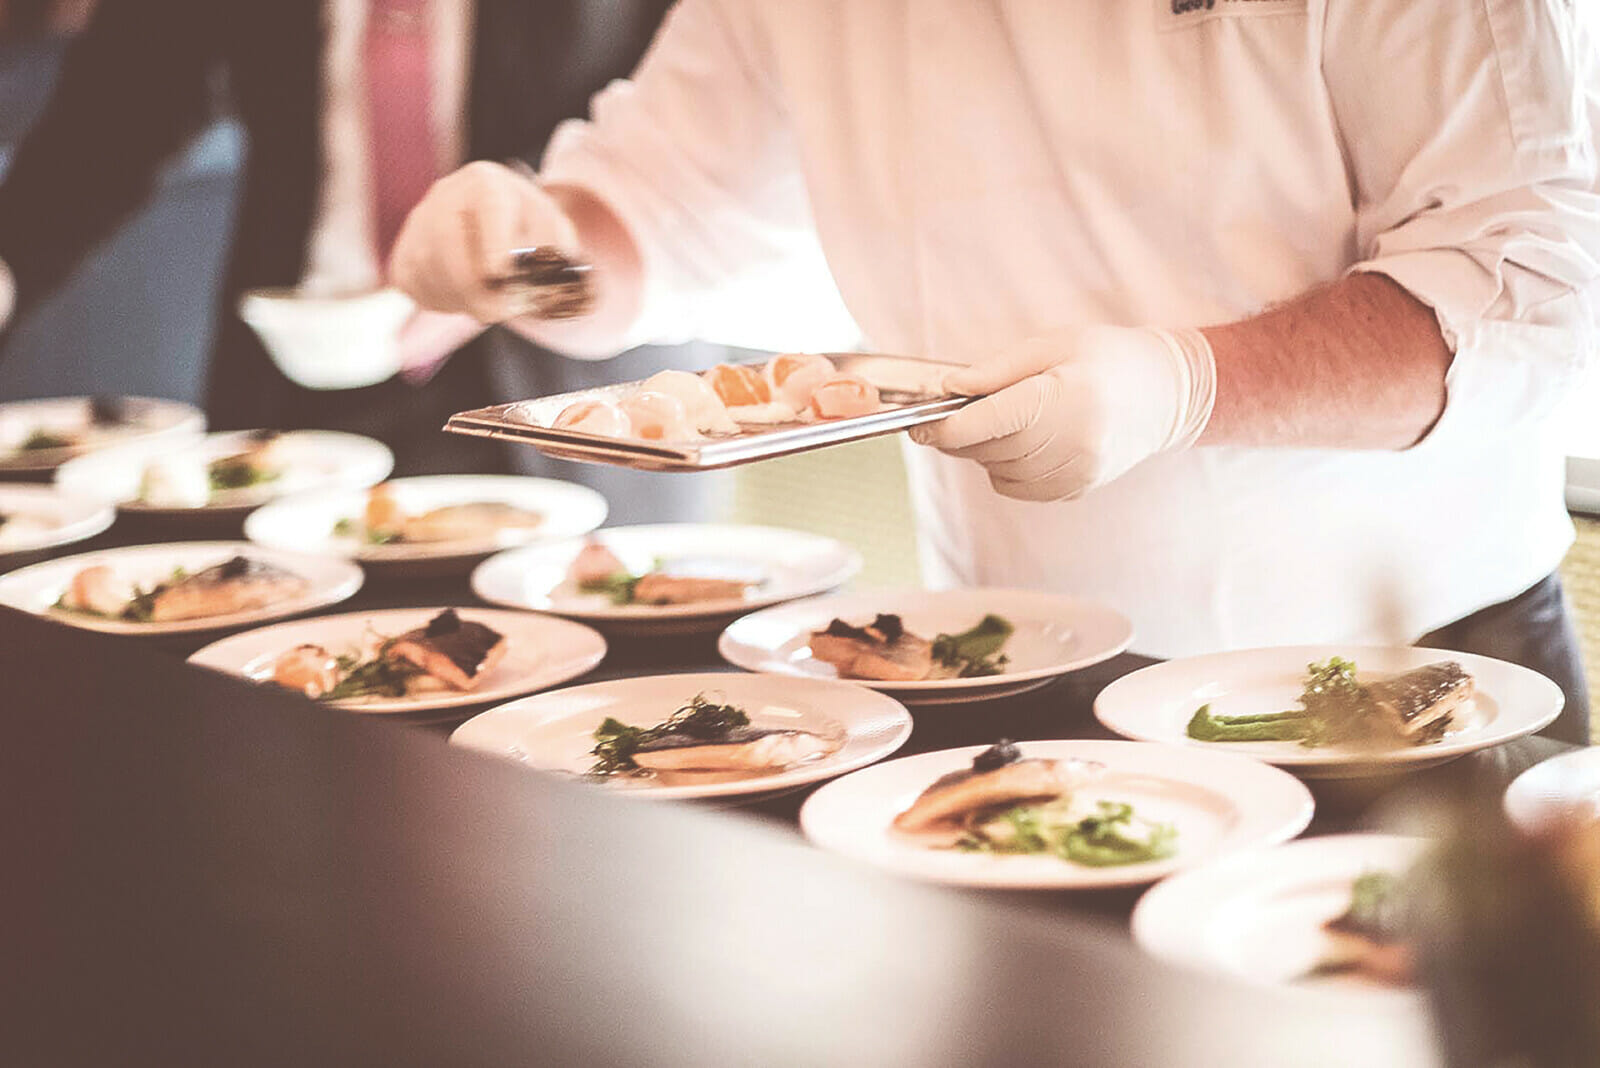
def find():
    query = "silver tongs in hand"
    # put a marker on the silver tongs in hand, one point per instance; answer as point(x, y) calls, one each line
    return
point(547, 283)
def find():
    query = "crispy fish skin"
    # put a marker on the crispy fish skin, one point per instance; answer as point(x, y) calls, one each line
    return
point(1420, 702)
point(656, 588)
point(741, 749)
point(237, 585)
point(883, 651)
point(946, 804)
point(456, 651)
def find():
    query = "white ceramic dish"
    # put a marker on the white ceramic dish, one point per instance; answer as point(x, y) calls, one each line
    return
point(541, 651)
point(555, 731)
point(307, 459)
point(41, 517)
point(1054, 635)
point(147, 418)
point(1258, 915)
point(787, 563)
point(1156, 703)
point(37, 588)
point(1217, 801)
point(306, 522)
point(1562, 788)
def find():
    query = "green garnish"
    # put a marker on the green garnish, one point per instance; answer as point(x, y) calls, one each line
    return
point(40, 440)
point(1108, 838)
point(237, 472)
point(975, 652)
point(345, 527)
point(378, 677)
point(616, 742)
point(1331, 709)
point(618, 586)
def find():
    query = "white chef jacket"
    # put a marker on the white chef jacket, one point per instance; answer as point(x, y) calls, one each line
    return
point(978, 172)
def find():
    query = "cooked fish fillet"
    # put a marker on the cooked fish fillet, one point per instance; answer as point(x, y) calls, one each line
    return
point(907, 658)
point(236, 585)
point(953, 797)
point(451, 649)
point(97, 589)
point(741, 749)
point(457, 522)
point(1420, 700)
point(656, 588)
point(1352, 953)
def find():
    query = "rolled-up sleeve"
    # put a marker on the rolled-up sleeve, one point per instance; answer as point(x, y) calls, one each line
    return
point(694, 156)
point(1467, 134)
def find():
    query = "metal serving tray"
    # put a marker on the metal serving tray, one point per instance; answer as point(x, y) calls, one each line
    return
point(908, 386)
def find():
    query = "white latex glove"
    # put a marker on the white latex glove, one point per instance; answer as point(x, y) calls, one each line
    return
point(460, 235)
point(1065, 412)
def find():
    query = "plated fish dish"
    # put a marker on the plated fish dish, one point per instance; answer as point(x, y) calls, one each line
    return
point(884, 650)
point(1007, 804)
point(446, 653)
point(385, 521)
point(245, 465)
point(238, 584)
point(598, 570)
point(703, 740)
point(1415, 707)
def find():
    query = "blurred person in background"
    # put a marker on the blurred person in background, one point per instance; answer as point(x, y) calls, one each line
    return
point(1347, 246)
point(350, 108)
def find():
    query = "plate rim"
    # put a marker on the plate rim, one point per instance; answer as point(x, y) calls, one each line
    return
point(95, 518)
point(191, 423)
point(434, 700)
point(1286, 828)
point(375, 450)
point(1380, 761)
point(337, 591)
point(929, 690)
point(1165, 907)
point(1532, 811)
point(800, 776)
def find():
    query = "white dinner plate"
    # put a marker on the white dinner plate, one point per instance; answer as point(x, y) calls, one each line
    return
point(1217, 801)
point(541, 651)
point(787, 564)
point(146, 418)
point(1054, 635)
point(38, 587)
point(555, 731)
point(1562, 788)
point(308, 459)
point(42, 517)
point(1156, 703)
point(306, 522)
point(1258, 915)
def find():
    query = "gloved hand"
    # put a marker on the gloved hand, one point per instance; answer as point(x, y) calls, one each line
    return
point(461, 233)
point(1064, 412)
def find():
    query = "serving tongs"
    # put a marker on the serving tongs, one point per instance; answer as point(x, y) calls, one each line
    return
point(547, 283)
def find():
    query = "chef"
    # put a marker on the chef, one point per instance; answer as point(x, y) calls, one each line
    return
point(1268, 300)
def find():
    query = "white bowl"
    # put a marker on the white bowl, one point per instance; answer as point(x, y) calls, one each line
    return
point(330, 342)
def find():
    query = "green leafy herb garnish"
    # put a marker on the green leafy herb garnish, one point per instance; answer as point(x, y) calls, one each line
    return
point(616, 742)
point(618, 586)
point(1332, 708)
point(237, 472)
point(975, 652)
point(378, 677)
point(40, 440)
point(1109, 837)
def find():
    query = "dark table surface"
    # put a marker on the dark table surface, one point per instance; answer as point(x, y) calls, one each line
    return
point(240, 871)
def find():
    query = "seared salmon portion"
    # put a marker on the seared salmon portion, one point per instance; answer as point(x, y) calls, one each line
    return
point(1422, 701)
point(883, 650)
point(456, 651)
point(740, 749)
point(237, 585)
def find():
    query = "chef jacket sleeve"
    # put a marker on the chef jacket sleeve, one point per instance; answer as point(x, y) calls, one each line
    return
point(1466, 132)
point(694, 156)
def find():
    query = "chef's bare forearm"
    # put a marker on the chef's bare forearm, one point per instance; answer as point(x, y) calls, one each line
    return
point(618, 281)
point(1357, 364)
